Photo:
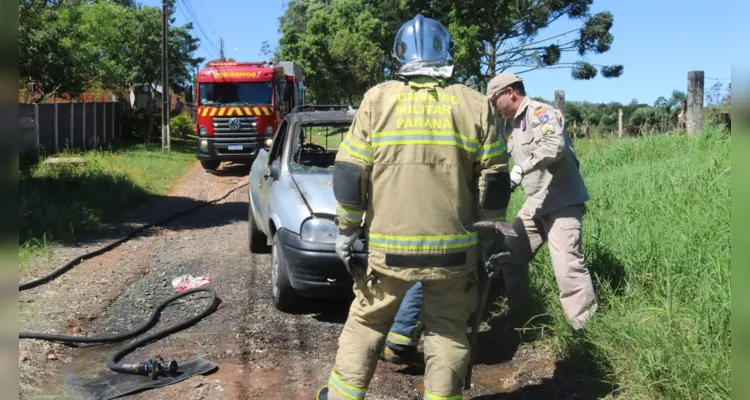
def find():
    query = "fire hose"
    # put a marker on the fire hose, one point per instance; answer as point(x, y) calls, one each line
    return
point(154, 367)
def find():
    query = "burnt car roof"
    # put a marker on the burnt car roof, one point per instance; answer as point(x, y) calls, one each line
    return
point(322, 114)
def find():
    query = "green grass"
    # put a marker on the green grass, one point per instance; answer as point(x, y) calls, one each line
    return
point(59, 203)
point(657, 241)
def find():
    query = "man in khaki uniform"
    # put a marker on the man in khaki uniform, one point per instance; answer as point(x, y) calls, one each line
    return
point(421, 163)
point(544, 161)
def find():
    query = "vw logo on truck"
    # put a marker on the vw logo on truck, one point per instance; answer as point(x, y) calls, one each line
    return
point(235, 124)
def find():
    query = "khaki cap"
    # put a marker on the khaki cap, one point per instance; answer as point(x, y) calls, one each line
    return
point(500, 82)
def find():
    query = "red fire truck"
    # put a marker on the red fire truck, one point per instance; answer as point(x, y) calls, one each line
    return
point(239, 106)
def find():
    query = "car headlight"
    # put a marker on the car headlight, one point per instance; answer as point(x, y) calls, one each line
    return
point(204, 144)
point(202, 130)
point(319, 230)
point(269, 130)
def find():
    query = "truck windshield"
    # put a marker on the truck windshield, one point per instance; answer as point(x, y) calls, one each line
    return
point(236, 93)
point(316, 146)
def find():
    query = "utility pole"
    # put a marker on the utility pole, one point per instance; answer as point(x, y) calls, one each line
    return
point(221, 49)
point(164, 80)
point(695, 102)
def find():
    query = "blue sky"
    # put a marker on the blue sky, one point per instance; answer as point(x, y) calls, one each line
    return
point(658, 42)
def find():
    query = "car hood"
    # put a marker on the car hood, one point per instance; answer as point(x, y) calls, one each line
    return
point(317, 189)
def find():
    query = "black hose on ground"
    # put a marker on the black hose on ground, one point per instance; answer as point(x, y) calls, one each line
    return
point(72, 263)
point(153, 367)
point(152, 320)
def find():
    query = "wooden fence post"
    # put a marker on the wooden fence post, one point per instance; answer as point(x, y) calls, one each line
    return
point(619, 122)
point(72, 109)
point(104, 122)
point(112, 123)
point(695, 102)
point(36, 125)
point(95, 138)
point(83, 124)
point(57, 146)
point(560, 100)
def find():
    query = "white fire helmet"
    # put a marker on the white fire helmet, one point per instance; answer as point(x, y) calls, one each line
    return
point(422, 39)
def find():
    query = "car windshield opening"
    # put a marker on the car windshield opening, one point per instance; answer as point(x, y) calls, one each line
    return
point(316, 146)
point(236, 93)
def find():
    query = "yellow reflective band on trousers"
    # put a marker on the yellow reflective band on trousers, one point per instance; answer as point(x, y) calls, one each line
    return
point(348, 391)
point(349, 215)
point(423, 242)
point(428, 395)
point(358, 150)
point(449, 138)
point(494, 149)
point(400, 339)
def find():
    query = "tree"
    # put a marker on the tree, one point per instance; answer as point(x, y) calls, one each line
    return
point(496, 35)
point(347, 43)
point(128, 43)
point(54, 53)
point(336, 43)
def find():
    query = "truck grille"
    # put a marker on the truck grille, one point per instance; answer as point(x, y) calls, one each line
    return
point(247, 126)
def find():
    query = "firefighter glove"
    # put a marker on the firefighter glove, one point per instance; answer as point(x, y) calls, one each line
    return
point(516, 174)
point(344, 243)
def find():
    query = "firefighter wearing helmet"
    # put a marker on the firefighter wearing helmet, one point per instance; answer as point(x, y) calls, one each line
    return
point(422, 161)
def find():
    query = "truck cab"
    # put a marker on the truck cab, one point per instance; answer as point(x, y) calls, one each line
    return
point(239, 106)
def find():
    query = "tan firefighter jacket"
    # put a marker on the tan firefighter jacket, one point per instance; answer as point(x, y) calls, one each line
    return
point(422, 161)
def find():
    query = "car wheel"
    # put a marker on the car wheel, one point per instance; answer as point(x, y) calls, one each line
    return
point(284, 297)
point(257, 241)
point(210, 165)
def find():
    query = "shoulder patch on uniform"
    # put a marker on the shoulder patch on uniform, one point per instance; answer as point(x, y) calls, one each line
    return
point(548, 128)
point(541, 115)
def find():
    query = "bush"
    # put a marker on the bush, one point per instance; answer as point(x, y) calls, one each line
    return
point(182, 126)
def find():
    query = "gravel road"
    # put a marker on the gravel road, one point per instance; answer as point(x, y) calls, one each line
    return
point(261, 352)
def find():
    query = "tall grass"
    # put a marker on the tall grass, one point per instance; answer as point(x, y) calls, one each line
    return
point(657, 241)
point(60, 202)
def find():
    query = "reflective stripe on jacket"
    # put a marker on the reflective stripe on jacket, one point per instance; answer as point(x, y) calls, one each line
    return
point(430, 156)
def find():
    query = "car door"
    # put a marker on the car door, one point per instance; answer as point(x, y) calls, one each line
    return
point(269, 179)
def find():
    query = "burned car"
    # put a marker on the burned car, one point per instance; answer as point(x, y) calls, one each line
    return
point(292, 206)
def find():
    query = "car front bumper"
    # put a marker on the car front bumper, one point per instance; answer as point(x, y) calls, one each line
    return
point(314, 268)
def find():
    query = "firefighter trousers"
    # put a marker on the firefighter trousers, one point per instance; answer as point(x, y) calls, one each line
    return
point(447, 306)
point(562, 230)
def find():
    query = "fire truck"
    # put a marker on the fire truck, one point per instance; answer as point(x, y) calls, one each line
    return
point(239, 106)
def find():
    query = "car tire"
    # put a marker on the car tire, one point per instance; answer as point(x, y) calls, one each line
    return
point(284, 297)
point(210, 165)
point(256, 240)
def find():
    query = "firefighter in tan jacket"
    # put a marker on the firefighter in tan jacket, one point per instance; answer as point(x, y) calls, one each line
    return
point(423, 160)
point(546, 165)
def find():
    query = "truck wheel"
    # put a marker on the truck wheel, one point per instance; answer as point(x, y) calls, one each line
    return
point(210, 165)
point(284, 297)
point(255, 238)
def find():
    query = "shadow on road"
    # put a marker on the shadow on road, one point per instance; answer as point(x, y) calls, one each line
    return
point(228, 169)
point(330, 310)
point(576, 377)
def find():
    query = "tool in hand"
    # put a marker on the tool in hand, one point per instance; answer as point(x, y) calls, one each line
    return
point(487, 270)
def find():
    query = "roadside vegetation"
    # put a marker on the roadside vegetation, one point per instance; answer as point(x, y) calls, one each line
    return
point(60, 202)
point(657, 241)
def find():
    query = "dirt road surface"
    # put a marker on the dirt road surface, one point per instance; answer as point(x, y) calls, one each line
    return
point(260, 352)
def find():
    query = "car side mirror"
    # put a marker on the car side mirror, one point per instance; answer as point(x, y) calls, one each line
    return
point(275, 170)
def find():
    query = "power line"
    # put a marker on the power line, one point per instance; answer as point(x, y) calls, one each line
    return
point(192, 12)
point(210, 52)
point(187, 8)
